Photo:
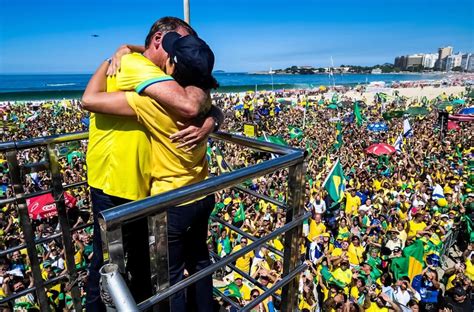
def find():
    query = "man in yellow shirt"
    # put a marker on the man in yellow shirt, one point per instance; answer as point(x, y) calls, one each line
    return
point(172, 167)
point(416, 225)
point(243, 263)
point(352, 203)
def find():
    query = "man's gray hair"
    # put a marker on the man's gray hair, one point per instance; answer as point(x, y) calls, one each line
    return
point(167, 24)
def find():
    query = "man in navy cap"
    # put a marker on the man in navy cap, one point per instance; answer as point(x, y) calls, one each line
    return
point(190, 61)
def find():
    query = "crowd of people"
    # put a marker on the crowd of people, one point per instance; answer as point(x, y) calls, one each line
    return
point(359, 249)
point(355, 249)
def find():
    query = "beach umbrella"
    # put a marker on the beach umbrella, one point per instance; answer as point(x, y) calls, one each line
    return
point(467, 111)
point(380, 149)
point(453, 126)
point(377, 127)
point(417, 111)
point(322, 88)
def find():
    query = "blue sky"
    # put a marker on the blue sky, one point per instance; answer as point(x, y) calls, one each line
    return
point(54, 36)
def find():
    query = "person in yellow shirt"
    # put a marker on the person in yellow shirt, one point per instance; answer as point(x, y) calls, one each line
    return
point(243, 263)
point(171, 166)
point(352, 203)
point(316, 227)
point(355, 252)
point(416, 225)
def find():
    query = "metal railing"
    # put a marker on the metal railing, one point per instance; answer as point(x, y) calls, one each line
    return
point(16, 173)
point(154, 208)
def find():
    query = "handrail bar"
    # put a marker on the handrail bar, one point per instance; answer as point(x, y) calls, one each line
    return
point(285, 280)
point(155, 204)
point(43, 141)
point(148, 303)
point(261, 196)
point(243, 274)
point(244, 234)
point(44, 239)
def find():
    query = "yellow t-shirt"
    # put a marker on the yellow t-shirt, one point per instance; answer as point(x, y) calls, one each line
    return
point(375, 308)
point(415, 227)
point(118, 157)
point(243, 263)
point(352, 203)
point(355, 254)
point(315, 229)
point(172, 167)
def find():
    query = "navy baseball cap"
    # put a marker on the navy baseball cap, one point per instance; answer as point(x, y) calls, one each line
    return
point(193, 59)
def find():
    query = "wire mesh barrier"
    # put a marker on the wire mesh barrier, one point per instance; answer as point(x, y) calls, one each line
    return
point(154, 210)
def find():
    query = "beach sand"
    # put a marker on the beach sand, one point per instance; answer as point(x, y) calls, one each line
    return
point(412, 93)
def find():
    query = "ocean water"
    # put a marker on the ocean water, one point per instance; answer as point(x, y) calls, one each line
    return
point(59, 86)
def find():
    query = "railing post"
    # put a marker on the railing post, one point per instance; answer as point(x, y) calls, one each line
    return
point(158, 231)
point(25, 223)
point(112, 245)
point(292, 245)
point(58, 195)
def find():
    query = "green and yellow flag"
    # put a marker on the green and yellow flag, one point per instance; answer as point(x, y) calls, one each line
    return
point(240, 214)
point(335, 183)
point(411, 264)
point(358, 114)
point(231, 290)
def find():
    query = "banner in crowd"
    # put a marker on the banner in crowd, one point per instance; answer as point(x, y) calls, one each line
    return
point(43, 206)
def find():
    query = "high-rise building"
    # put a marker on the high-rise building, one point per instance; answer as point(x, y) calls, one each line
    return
point(414, 61)
point(400, 62)
point(465, 61)
point(443, 53)
point(429, 60)
point(470, 64)
point(453, 61)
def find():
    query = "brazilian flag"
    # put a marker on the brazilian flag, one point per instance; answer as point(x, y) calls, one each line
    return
point(231, 290)
point(335, 183)
point(240, 214)
point(221, 163)
point(338, 143)
point(295, 133)
point(358, 114)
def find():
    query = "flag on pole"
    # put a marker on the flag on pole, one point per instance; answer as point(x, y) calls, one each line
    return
point(335, 183)
point(240, 214)
point(357, 114)
point(399, 144)
point(338, 135)
point(221, 163)
point(407, 130)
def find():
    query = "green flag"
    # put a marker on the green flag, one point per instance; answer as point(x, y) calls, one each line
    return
point(231, 290)
point(240, 214)
point(330, 279)
point(276, 139)
point(411, 264)
point(357, 114)
point(335, 183)
point(295, 133)
point(338, 143)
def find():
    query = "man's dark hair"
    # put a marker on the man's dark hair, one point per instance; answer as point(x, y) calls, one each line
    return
point(167, 24)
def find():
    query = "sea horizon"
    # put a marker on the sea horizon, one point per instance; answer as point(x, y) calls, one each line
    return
point(19, 87)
